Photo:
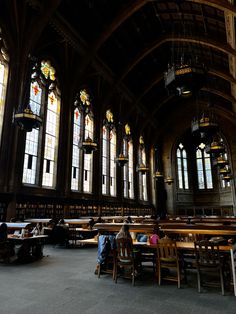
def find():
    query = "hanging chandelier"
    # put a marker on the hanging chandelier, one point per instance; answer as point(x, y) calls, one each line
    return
point(185, 78)
point(142, 168)
point(122, 160)
point(169, 180)
point(224, 171)
point(27, 120)
point(227, 177)
point(158, 175)
point(220, 161)
point(215, 148)
point(88, 146)
point(206, 125)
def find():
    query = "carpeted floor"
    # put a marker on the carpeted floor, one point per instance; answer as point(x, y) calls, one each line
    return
point(64, 282)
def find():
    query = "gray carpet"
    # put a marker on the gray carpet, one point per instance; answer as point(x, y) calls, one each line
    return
point(64, 282)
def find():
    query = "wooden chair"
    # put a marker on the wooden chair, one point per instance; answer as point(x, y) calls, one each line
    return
point(127, 261)
point(208, 259)
point(168, 259)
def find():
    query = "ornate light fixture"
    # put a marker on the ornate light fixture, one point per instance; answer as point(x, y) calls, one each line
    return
point(88, 146)
point(122, 160)
point(184, 79)
point(142, 168)
point(215, 148)
point(169, 180)
point(27, 117)
point(206, 125)
point(83, 102)
point(220, 161)
point(185, 75)
point(27, 120)
point(227, 177)
point(224, 171)
point(158, 175)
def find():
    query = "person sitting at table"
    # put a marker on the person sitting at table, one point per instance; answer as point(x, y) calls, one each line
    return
point(6, 248)
point(129, 220)
point(60, 233)
point(38, 229)
point(124, 232)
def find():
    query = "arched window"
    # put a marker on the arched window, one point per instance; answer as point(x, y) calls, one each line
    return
point(44, 98)
point(108, 156)
point(142, 175)
point(83, 128)
point(129, 167)
point(182, 167)
point(3, 81)
point(204, 172)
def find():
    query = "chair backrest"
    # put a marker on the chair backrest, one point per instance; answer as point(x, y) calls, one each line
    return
point(166, 248)
point(207, 253)
point(124, 249)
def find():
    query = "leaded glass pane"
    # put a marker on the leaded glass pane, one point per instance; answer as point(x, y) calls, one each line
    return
point(3, 82)
point(186, 185)
point(201, 180)
point(180, 179)
point(32, 138)
point(87, 182)
point(199, 165)
point(112, 162)
point(209, 183)
point(131, 170)
point(51, 140)
point(76, 152)
point(178, 153)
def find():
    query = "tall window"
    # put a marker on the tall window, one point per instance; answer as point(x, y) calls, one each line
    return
point(108, 156)
point(3, 82)
point(204, 172)
point(142, 175)
point(129, 167)
point(224, 183)
point(182, 168)
point(44, 98)
point(83, 130)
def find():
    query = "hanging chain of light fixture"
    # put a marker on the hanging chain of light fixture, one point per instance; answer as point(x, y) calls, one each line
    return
point(185, 74)
point(83, 103)
point(123, 159)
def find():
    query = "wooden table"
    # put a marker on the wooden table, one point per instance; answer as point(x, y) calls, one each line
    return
point(199, 229)
point(30, 248)
point(133, 227)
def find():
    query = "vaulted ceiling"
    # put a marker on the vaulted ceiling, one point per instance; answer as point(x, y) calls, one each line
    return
point(132, 42)
point(136, 40)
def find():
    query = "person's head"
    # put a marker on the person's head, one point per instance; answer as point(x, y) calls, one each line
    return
point(61, 221)
point(3, 228)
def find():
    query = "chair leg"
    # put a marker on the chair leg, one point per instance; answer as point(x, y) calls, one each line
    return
point(159, 274)
point(222, 281)
point(198, 281)
point(133, 275)
point(178, 275)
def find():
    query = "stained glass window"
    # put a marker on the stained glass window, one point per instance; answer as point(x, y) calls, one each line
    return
point(109, 156)
point(3, 85)
point(128, 171)
point(204, 170)
point(88, 158)
point(45, 139)
point(83, 127)
point(182, 167)
point(142, 176)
